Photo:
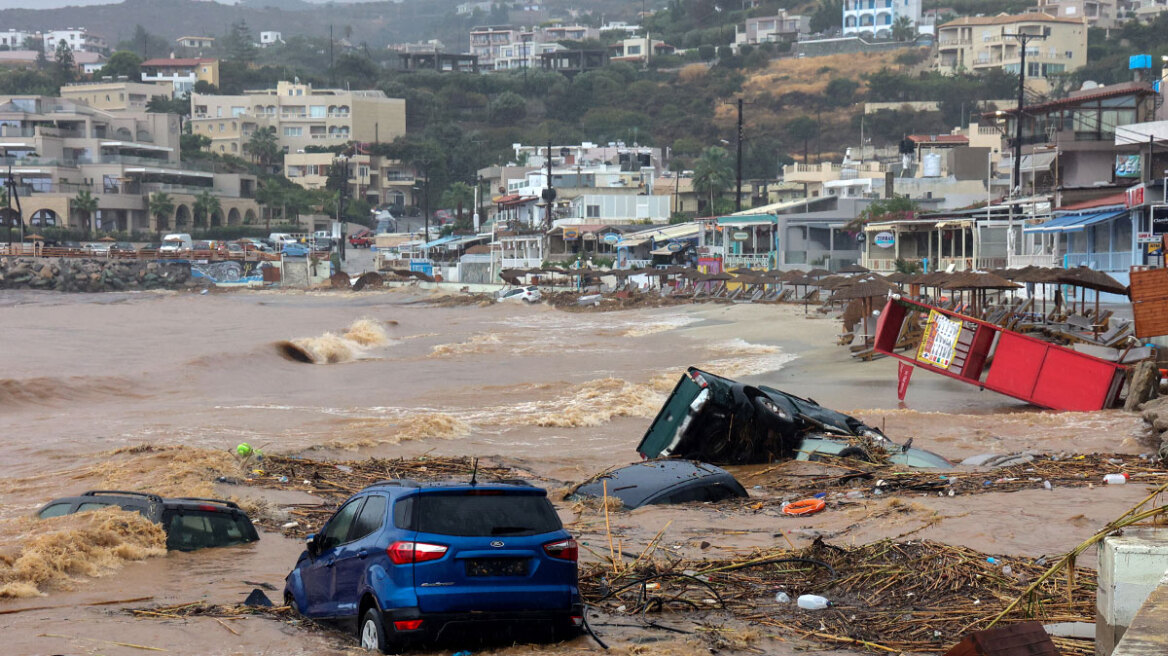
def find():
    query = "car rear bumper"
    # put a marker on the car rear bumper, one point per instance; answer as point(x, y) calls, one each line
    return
point(446, 627)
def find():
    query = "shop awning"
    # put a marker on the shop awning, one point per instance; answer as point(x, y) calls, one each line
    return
point(1037, 162)
point(1074, 222)
point(438, 242)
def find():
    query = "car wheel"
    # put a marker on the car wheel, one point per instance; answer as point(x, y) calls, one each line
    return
point(290, 602)
point(371, 632)
point(856, 453)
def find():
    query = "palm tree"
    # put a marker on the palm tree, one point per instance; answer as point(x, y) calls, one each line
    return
point(902, 29)
point(803, 129)
point(676, 166)
point(205, 207)
point(161, 206)
point(263, 146)
point(713, 173)
point(84, 203)
point(458, 194)
point(268, 195)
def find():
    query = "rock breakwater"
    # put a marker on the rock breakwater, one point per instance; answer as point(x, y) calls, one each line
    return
point(91, 274)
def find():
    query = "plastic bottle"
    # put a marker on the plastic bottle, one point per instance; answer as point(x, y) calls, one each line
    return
point(813, 602)
point(1115, 479)
point(782, 598)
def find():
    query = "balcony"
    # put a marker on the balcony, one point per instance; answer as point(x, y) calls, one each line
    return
point(38, 161)
point(1116, 262)
point(1041, 260)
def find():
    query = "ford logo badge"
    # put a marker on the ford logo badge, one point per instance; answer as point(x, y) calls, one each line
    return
point(497, 543)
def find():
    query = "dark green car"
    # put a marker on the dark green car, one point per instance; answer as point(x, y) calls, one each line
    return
point(724, 422)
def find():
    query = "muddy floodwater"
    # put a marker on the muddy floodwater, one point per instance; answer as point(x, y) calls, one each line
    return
point(87, 379)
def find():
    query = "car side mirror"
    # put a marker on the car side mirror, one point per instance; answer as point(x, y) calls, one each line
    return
point(311, 544)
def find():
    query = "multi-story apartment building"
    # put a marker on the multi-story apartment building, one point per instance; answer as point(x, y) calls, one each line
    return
point(270, 38)
point(116, 96)
point(503, 47)
point(58, 147)
point(772, 29)
point(975, 43)
point(875, 17)
point(302, 116)
point(78, 38)
point(182, 74)
point(196, 42)
point(636, 49)
point(1098, 13)
point(378, 180)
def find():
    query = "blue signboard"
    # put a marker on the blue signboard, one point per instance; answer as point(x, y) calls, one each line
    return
point(425, 266)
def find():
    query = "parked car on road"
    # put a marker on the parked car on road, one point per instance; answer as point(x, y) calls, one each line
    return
point(722, 421)
point(527, 294)
point(407, 563)
point(361, 239)
point(122, 248)
point(176, 243)
point(664, 482)
point(190, 523)
point(101, 248)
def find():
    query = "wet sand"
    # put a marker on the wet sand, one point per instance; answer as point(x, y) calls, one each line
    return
point(560, 395)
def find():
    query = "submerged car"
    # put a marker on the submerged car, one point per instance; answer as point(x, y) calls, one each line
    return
point(410, 563)
point(190, 523)
point(664, 482)
point(527, 294)
point(721, 421)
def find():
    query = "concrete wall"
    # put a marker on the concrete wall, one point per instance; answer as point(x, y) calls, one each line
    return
point(848, 45)
point(1130, 567)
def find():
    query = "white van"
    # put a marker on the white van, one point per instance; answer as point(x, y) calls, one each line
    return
point(176, 242)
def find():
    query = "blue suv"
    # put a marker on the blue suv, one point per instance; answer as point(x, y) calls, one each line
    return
point(406, 563)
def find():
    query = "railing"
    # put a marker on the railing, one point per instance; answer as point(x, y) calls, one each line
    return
point(521, 262)
point(135, 159)
point(37, 161)
point(1121, 262)
point(1041, 260)
point(753, 261)
point(16, 131)
point(958, 264)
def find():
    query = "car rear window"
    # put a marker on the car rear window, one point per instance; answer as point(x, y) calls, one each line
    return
point(485, 515)
point(194, 529)
point(92, 505)
point(55, 510)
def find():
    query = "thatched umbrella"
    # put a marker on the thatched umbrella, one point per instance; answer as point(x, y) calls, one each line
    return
point(864, 289)
point(1087, 278)
point(978, 284)
point(818, 273)
point(854, 268)
point(898, 277)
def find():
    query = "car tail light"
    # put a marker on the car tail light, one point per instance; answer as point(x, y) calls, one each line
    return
point(209, 508)
point(563, 550)
point(407, 625)
point(404, 553)
point(697, 378)
point(577, 620)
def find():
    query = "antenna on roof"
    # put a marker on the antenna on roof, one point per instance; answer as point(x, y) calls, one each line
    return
point(474, 474)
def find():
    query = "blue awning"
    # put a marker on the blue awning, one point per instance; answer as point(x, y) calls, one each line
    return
point(439, 241)
point(1075, 222)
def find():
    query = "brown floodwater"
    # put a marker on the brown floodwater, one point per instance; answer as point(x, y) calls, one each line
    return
point(559, 394)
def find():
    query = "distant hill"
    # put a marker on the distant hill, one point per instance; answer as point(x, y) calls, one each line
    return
point(375, 23)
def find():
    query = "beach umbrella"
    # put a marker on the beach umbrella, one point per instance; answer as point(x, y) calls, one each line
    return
point(107, 238)
point(978, 284)
point(898, 277)
point(1088, 278)
point(34, 237)
point(818, 273)
point(854, 268)
point(864, 289)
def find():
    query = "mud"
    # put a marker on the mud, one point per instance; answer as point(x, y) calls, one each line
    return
point(158, 388)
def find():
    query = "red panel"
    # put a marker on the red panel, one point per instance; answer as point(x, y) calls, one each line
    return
point(1016, 364)
point(1073, 381)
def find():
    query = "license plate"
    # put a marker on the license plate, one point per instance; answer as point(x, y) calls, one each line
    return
point(496, 567)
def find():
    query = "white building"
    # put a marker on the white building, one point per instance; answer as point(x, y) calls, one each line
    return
point(15, 39)
point(875, 17)
point(78, 38)
point(502, 47)
point(270, 38)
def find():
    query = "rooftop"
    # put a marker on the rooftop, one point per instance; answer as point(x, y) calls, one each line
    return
point(1009, 19)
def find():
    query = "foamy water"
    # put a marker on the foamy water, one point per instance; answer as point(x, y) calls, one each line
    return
point(354, 344)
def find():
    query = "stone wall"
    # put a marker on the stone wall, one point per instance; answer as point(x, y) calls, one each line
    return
point(90, 274)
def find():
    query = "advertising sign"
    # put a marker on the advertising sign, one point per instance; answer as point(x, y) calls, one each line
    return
point(1159, 215)
point(903, 375)
point(571, 233)
point(1147, 238)
point(1134, 196)
point(741, 235)
point(939, 340)
point(1127, 166)
point(611, 238)
point(884, 239)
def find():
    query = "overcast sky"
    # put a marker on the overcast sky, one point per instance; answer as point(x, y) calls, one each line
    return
point(54, 4)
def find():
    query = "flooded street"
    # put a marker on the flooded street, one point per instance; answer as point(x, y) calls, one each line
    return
point(558, 395)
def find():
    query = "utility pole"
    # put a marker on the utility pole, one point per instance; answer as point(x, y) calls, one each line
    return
point(738, 186)
point(549, 193)
point(1023, 40)
point(332, 70)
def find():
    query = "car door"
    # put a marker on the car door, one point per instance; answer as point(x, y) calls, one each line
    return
point(353, 556)
point(318, 574)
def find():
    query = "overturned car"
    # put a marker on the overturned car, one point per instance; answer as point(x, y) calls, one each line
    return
point(724, 422)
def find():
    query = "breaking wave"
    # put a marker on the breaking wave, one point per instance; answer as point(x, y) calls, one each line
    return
point(39, 555)
point(484, 343)
point(659, 326)
point(331, 348)
point(171, 471)
point(50, 390)
point(592, 403)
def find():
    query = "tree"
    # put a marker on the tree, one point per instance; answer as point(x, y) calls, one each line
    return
point(676, 166)
point(145, 43)
point(161, 207)
point(827, 16)
point(168, 105)
point(239, 44)
point(193, 146)
point(458, 195)
point(263, 146)
point(841, 91)
point(206, 207)
point(508, 108)
point(803, 129)
point(902, 29)
point(713, 174)
point(888, 209)
point(205, 87)
point(85, 204)
point(122, 63)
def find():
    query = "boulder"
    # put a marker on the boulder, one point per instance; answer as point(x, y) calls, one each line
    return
point(1145, 385)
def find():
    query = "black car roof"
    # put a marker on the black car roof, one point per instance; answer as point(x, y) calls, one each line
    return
point(636, 483)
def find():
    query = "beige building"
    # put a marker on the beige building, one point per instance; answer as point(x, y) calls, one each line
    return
point(197, 42)
point(1098, 13)
point(181, 73)
point(301, 115)
point(376, 179)
point(116, 96)
point(979, 43)
point(59, 147)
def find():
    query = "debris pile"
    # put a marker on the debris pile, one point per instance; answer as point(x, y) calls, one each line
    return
point(886, 596)
point(1155, 412)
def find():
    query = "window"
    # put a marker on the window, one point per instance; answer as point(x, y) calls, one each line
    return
point(337, 531)
point(316, 111)
point(592, 211)
point(371, 518)
point(222, 128)
point(236, 112)
point(92, 505)
point(633, 50)
point(293, 131)
point(494, 515)
point(55, 510)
